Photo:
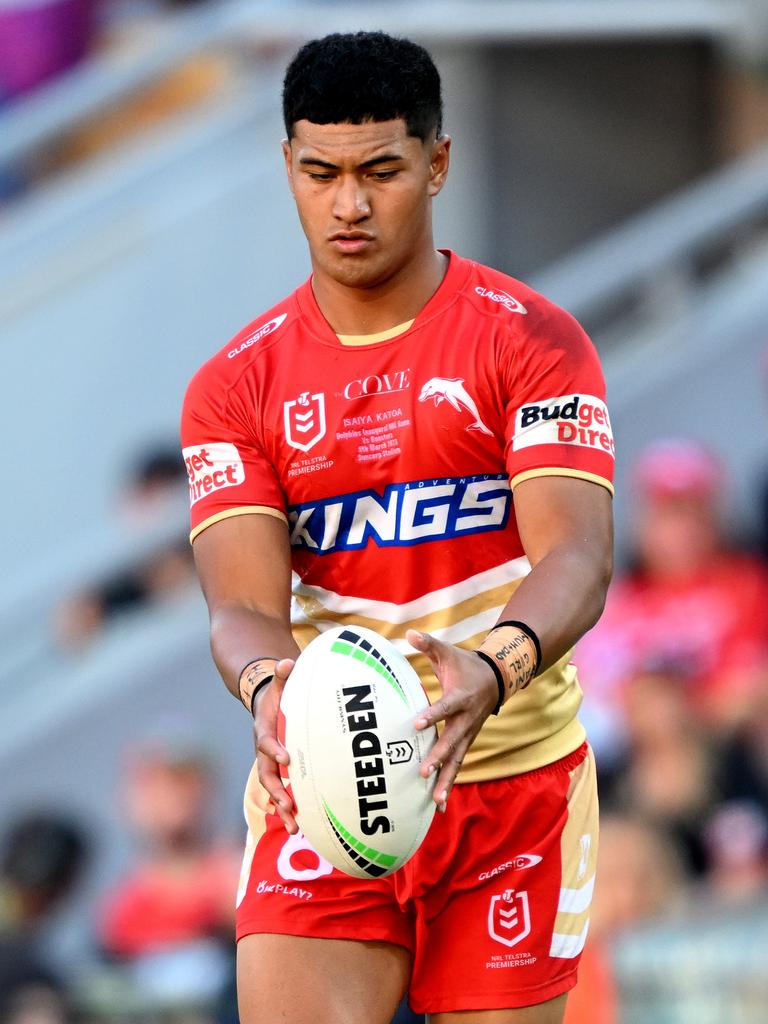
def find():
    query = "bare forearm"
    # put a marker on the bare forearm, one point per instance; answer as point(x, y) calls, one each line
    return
point(239, 635)
point(561, 598)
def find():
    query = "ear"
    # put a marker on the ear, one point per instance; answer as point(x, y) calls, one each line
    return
point(438, 164)
point(287, 157)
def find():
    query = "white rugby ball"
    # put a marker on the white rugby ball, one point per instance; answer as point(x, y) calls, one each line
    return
point(347, 721)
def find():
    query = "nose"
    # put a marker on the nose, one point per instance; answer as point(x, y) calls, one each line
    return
point(351, 203)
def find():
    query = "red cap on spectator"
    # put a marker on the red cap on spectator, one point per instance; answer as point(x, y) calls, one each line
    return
point(678, 467)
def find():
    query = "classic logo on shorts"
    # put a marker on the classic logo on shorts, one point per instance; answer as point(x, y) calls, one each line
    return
point(509, 917)
point(210, 467)
point(518, 863)
point(452, 391)
point(567, 419)
point(304, 420)
point(502, 298)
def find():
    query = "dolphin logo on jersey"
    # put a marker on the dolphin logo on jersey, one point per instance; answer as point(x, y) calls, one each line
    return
point(452, 391)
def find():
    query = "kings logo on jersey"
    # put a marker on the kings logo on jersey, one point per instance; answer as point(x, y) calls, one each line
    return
point(304, 420)
point(509, 917)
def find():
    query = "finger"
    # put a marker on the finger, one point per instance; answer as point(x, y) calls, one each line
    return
point(265, 723)
point(448, 773)
point(271, 746)
point(283, 669)
point(444, 749)
point(426, 643)
point(278, 794)
point(449, 704)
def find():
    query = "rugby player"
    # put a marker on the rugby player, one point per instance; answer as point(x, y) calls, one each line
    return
point(353, 454)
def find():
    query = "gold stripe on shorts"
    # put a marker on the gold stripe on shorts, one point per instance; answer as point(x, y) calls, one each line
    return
point(578, 849)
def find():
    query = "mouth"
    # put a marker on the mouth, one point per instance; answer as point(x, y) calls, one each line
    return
point(351, 241)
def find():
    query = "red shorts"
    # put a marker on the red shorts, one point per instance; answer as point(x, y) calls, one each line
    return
point(494, 906)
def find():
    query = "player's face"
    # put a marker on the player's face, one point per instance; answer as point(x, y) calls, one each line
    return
point(363, 192)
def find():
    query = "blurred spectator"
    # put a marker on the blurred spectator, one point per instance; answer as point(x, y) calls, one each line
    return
point(171, 919)
point(745, 758)
point(640, 875)
point(151, 497)
point(640, 879)
point(670, 772)
point(691, 608)
point(153, 488)
point(737, 845)
point(41, 858)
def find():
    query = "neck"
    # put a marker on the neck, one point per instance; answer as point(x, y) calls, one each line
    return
point(379, 307)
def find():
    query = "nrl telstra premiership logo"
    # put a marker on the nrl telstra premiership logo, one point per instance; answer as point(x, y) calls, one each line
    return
point(509, 917)
point(304, 420)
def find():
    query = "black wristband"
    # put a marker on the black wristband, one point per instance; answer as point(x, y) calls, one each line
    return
point(264, 682)
point(531, 636)
point(499, 679)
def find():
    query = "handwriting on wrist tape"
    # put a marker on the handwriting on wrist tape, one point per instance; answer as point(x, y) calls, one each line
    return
point(515, 655)
point(256, 674)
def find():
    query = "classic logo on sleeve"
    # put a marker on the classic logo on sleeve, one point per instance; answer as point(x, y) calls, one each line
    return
point(567, 419)
point(211, 467)
point(504, 298)
point(260, 332)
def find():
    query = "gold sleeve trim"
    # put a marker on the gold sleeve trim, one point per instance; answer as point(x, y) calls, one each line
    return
point(580, 474)
point(244, 510)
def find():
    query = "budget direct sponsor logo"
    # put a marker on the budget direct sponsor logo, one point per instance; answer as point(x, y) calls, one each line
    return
point(404, 514)
point(503, 298)
point(378, 384)
point(258, 334)
point(523, 860)
point(210, 467)
point(566, 419)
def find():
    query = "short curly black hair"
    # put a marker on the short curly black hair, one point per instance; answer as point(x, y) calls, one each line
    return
point(363, 76)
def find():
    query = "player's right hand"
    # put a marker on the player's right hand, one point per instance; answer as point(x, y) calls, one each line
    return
point(270, 752)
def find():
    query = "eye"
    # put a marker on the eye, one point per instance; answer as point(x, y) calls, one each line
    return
point(383, 175)
point(320, 175)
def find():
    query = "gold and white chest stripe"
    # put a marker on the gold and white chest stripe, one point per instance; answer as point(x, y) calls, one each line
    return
point(454, 614)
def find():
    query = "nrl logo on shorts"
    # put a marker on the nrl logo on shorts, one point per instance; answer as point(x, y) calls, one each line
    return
point(509, 917)
point(304, 420)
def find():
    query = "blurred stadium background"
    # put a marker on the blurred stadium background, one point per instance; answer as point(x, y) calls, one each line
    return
point(612, 152)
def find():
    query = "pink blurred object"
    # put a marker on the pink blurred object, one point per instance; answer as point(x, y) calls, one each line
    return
point(675, 467)
point(40, 39)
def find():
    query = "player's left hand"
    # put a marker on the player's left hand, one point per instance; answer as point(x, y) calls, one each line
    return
point(470, 694)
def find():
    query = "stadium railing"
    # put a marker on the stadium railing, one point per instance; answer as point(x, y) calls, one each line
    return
point(680, 240)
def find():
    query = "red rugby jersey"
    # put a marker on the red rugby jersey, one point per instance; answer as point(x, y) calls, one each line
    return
point(393, 464)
